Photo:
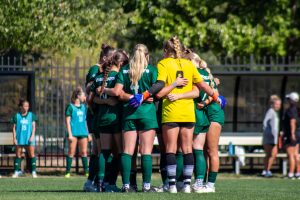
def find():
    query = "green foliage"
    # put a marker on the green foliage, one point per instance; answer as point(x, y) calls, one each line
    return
point(33, 26)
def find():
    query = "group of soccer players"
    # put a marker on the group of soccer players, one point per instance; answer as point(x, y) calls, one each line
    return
point(129, 102)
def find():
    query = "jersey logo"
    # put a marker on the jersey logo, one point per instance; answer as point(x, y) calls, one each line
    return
point(125, 71)
point(80, 115)
point(24, 121)
point(205, 77)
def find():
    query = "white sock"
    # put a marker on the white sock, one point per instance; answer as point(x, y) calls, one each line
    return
point(146, 186)
point(199, 181)
point(210, 184)
point(297, 174)
point(126, 185)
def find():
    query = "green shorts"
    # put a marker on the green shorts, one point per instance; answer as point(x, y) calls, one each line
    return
point(139, 125)
point(202, 122)
point(110, 129)
point(215, 113)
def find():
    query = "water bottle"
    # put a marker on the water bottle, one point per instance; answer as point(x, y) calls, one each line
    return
point(231, 149)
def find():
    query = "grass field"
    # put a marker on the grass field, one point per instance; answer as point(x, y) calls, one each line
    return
point(228, 187)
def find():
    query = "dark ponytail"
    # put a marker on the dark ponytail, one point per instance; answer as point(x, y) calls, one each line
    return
point(22, 101)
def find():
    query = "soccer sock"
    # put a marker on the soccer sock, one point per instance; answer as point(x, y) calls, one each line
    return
point(147, 169)
point(188, 160)
point(115, 163)
point(108, 165)
point(212, 176)
point(200, 164)
point(103, 157)
point(69, 164)
point(126, 167)
point(93, 167)
point(163, 169)
point(179, 168)
point(171, 168)
point(33, 164)
point(133, 173)
point(17, 164)
point(85, 166)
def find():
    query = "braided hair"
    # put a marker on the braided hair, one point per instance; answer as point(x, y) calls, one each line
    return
point(119, 57)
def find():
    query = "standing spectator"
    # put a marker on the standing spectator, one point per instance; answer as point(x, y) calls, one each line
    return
point(291, 128)
point(270, 136)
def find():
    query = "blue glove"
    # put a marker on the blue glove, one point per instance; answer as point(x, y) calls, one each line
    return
point(136, 100)
point(223, 101)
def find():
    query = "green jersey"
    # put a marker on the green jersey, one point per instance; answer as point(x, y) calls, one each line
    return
point(146, 110)
point(205, 75)
point(106, 114)
point(92, 73)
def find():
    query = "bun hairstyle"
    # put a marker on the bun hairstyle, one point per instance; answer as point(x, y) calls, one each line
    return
point(78, 91)
point(174, 47)
point(119, 57)
point(22, 101)
point(138, 63)
point(273, 99)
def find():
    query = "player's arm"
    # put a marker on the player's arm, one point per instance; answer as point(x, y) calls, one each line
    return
point(166, 90)
point(14, 134)
point(194, 93)
point(293, 129)
point(68, 125)
point(33, 131)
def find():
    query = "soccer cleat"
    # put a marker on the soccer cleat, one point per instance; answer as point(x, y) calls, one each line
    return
point(264, 172)
point(68, 175)
point(206, 189)
point(112, 188)
point(179, 185)
point(34, 175)
point(197, 185)
point(186, 189)
point(163, 188)
point(89, 187)
point(172, 189)
point(268, 174)
point(17, 174)
point(150, 190)
point(128, 189)
point(134, 187)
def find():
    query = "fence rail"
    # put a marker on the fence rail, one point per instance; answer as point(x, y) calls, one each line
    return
point(56, 78)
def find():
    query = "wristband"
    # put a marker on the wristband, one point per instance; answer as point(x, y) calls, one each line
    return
point(215, 97)
point(146, 95)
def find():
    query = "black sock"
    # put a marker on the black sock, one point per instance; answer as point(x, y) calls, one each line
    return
point(93, 167)
point(163, 168)
point(171, 168)
point(114, 172)
point(188, 168)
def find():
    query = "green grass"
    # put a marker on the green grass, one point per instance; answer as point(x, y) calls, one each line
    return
point(228, 187)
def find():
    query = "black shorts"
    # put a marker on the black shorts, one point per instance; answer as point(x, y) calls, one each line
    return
point(180, 124)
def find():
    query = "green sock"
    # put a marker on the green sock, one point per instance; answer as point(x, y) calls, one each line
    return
point(107, 158)
point(179, 169)
point(147, 168)
point(33, 164)
point(85, 164)
point(17, 164)
point(101, 169)
point(126, 167)
point(212, 176)
point(200, 164)
point(69, 164)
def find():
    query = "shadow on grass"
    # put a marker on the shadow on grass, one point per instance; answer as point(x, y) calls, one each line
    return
point(46, 191)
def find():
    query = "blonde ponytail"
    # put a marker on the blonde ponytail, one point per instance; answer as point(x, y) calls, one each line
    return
point(138, 63)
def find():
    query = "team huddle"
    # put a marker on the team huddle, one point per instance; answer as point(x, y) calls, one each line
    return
point(129, 102)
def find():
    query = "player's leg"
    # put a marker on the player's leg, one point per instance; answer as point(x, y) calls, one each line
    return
point(30, 149)
point(71, 153)
point(186, 137)
point(129, 142)
point(170, 137)
point(17, 162)
point(163, 165)
point(199, 158)
point(133, 171)
point(146, 146)
point(271, 153)
point(105, 142)
point(212, 140)
point(83, 146)
point(290, 149)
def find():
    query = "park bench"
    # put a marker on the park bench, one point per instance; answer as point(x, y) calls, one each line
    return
point(247, 139)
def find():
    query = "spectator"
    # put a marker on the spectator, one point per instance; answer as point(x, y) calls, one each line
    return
point(270, 136)
point(291, 128)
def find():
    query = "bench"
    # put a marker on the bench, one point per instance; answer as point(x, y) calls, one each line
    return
point(247, 139)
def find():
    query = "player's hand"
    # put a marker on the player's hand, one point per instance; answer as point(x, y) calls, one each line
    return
point(293, 138)
point(200, 105)
point(31, 139)
point(136, 100)
point(149, 100)
point(99, 90)
point(217, 81)
point(89, 138)
point(71, 138)
point(222, 101)
point(15, 141)
point(173, 97)
point(112, 101)
point(181, 81)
